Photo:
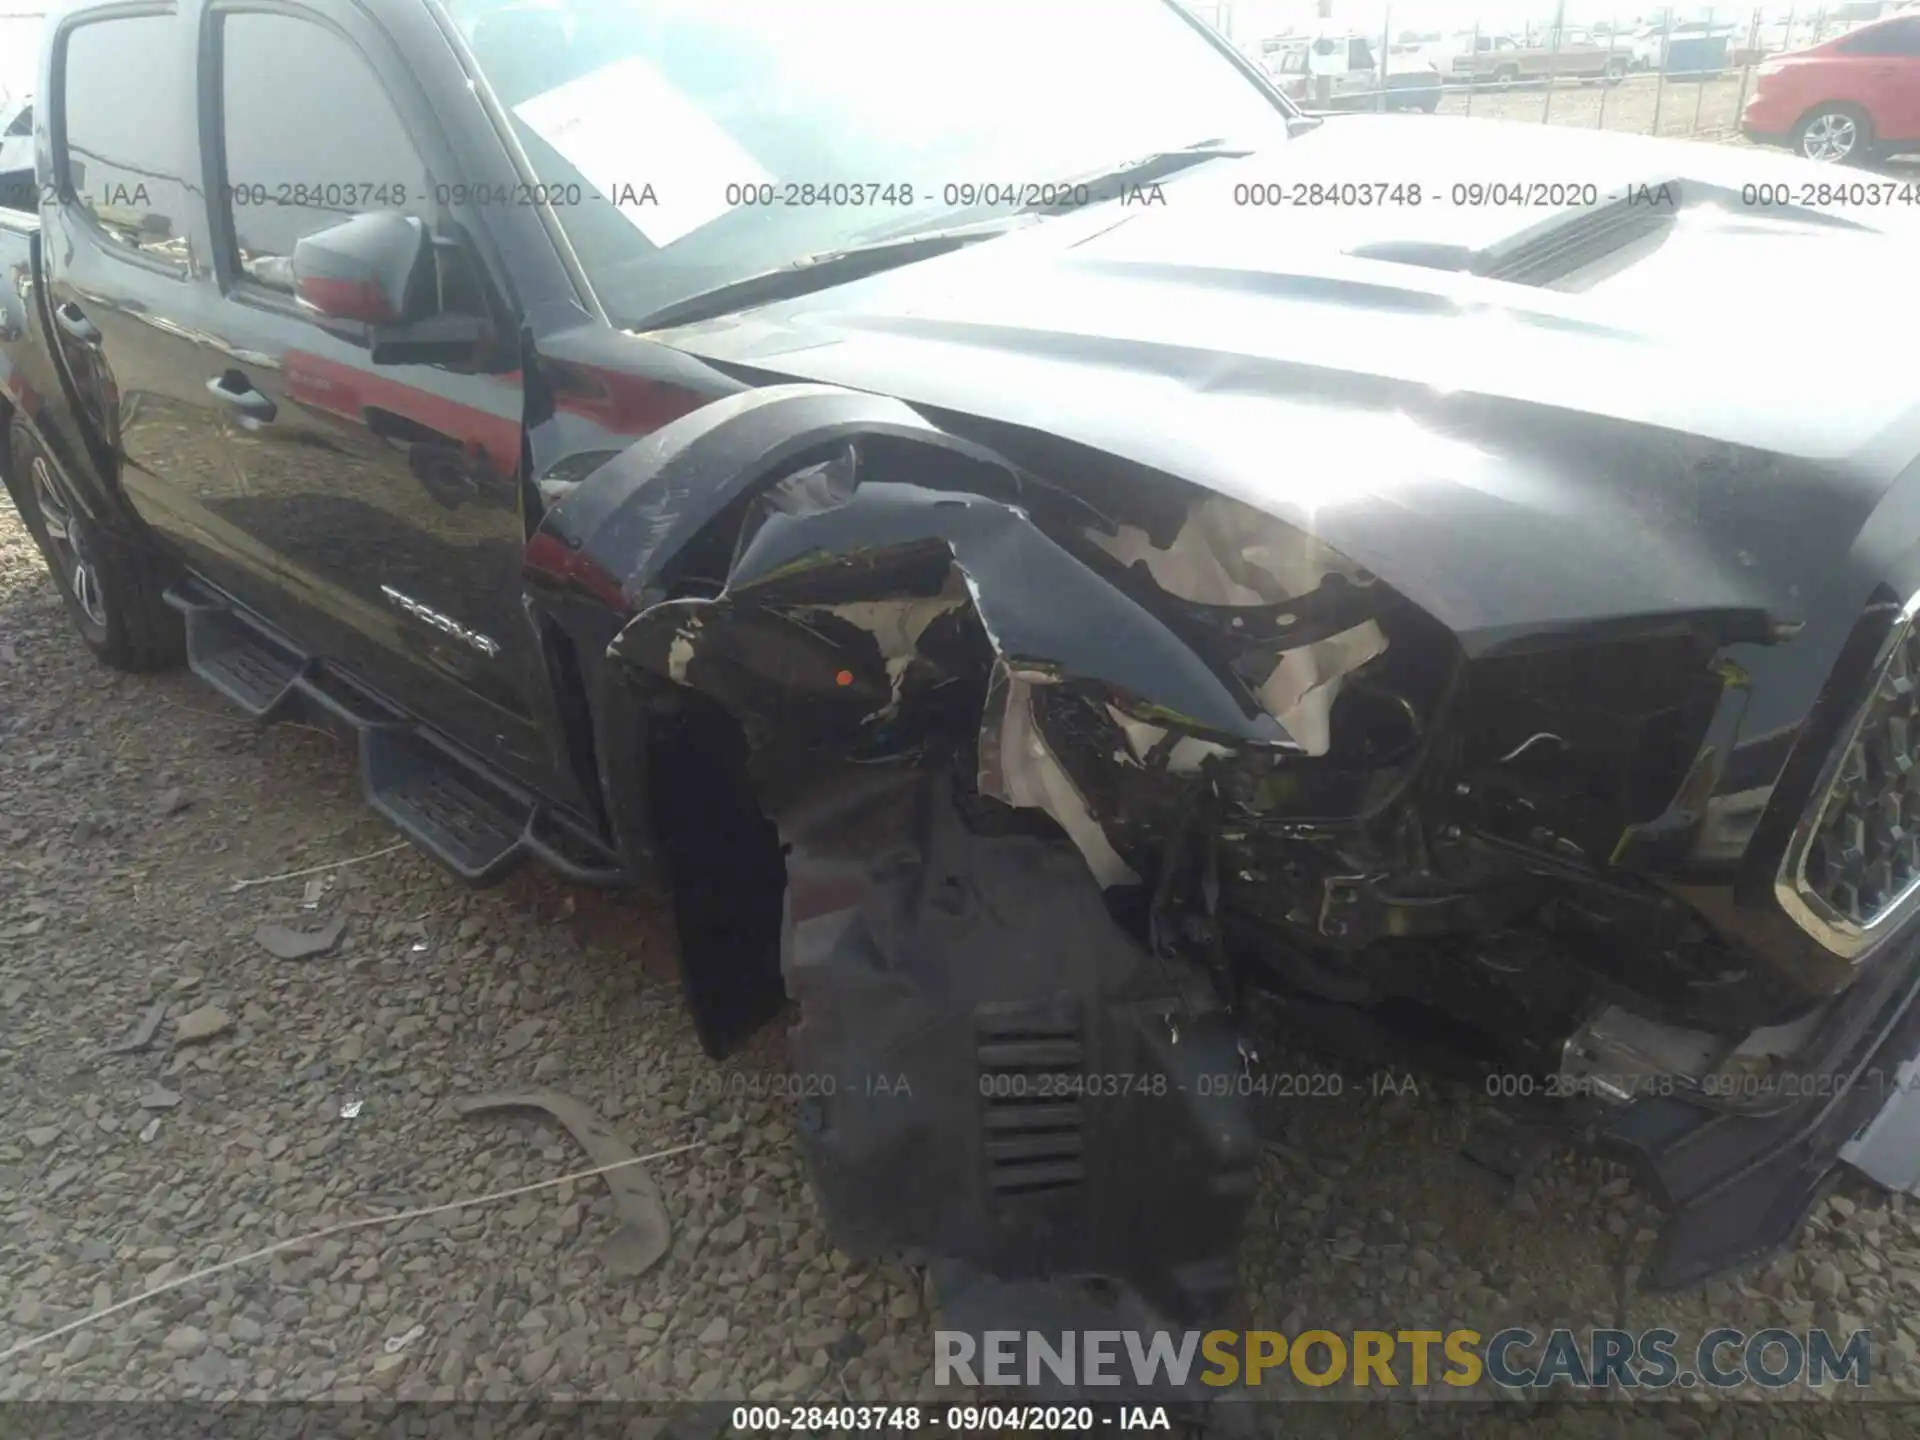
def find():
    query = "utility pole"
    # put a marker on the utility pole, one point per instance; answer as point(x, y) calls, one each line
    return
point(1323, 82)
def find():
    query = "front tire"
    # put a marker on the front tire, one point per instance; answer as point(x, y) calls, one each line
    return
point(110, 577)
point(1834, 135)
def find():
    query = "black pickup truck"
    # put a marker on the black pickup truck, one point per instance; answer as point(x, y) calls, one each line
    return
point(1061, 565)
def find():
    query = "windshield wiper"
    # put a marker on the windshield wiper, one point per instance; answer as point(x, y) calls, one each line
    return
point(823, 271)
point(1110, 181)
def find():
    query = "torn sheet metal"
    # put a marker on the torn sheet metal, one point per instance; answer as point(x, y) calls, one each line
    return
point(827, 605)
point(1887, 1150)
point(1229, 554)
point(1019, 768)
point(825, 486)
point(1042, 609)
point(1304, 684)
point(1184, 757)
point(680, 653)
point(896, 627)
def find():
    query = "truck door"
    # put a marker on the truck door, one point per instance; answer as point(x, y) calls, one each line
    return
point(125, 251)
point(388, 493)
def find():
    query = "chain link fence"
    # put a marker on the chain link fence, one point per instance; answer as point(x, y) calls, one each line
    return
point(1684, 79)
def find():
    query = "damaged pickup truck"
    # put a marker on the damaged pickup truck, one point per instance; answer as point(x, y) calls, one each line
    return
point(1047, 600)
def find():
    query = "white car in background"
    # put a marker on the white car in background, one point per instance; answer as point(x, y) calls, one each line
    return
point(1409, 80)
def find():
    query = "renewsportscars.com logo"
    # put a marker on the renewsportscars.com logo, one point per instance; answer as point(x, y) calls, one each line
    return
point(1514, 1358)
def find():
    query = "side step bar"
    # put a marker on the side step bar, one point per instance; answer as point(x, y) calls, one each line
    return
point(476, 823)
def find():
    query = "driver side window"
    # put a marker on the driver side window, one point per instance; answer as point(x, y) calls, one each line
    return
point(310, 139)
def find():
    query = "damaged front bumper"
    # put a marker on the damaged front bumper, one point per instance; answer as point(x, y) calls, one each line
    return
point(1737, 1183)
point(995, 1073)
point(1001, 790)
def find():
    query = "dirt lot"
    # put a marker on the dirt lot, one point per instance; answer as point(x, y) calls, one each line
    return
point(1708, 109)
point(319, 1092)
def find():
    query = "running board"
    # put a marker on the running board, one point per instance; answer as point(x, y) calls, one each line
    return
point(475, 822)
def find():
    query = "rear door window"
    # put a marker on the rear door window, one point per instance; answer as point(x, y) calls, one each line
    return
point(123, 144)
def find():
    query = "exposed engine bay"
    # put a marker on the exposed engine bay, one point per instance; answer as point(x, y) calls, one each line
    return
point(1222, 712)
point(1083, 771)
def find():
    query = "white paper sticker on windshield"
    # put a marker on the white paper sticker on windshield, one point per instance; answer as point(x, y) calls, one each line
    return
point(645, 146)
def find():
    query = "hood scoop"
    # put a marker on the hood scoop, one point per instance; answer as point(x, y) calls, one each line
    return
point(1568, 244)
point(1550, 252)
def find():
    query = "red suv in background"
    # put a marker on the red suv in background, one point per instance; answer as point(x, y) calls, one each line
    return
point(1845, 100)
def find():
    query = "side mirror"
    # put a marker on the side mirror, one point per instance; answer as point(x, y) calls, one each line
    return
point(374, 279)
point(370, 270)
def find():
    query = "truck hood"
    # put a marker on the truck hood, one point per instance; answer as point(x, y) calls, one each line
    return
point(1525, 414)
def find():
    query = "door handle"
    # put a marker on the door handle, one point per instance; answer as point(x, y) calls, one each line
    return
point(68, 317)
point(236, 392)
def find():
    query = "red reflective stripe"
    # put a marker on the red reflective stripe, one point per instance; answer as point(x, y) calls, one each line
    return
point(346, 299)
point(347, 390)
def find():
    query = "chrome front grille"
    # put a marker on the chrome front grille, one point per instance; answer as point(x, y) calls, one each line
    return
point(1852, 871)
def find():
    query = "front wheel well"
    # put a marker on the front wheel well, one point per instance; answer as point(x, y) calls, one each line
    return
point(722, 862)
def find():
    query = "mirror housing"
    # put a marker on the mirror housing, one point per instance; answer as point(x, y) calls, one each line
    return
point(373, 279)
point(369, 270)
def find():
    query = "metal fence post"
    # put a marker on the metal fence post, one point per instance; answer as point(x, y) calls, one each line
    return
point(1380, 63)
point(1613, 39)
point(1473, 64)
point(1553, 62)
point(1322, 84)
point(1700, 83)
point(1660, 83)
point(1746, 70)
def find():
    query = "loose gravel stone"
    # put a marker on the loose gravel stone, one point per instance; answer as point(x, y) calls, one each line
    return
point(202, 1024)
point(185, 1341)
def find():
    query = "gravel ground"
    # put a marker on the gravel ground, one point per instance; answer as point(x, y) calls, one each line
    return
point(317, 1091)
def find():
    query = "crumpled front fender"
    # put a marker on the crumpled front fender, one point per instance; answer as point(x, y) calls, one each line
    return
point(1047, 616)
point(842, 619)
point(850, 525)
point(1050, 619)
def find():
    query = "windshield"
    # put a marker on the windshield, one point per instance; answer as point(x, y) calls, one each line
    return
point(689, 143)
